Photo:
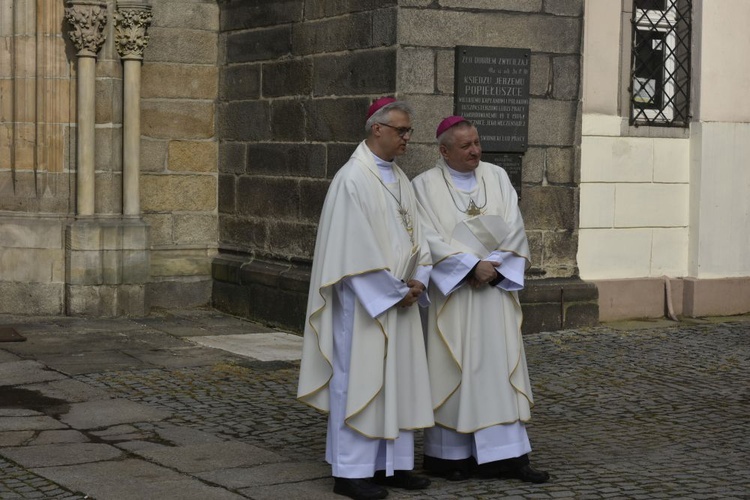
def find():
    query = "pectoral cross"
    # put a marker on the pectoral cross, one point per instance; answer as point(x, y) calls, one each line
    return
point(406, 222)
point(473, 209)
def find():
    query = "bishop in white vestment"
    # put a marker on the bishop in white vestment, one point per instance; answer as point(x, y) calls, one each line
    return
point(480, 385)
point(364, 360)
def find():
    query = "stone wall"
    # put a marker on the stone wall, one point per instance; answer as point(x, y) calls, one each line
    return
point(37, 189)
point(37, 106)
point(42, 270)
point(179, 150)
point(248, 109)
point(552, 29)
point(296, 79)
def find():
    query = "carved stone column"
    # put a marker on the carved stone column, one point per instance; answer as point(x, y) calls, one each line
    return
point(107, 258)
point(132, 20)
point(87, 18)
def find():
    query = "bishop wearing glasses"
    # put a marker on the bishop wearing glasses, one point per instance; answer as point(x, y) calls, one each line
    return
point(364, 360)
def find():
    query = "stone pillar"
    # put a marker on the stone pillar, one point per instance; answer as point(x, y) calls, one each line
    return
point(88, 18)
point(132, 19)
point(107, 258)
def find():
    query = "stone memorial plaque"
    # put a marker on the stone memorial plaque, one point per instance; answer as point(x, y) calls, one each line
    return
point(492, 90)
point(511, 163)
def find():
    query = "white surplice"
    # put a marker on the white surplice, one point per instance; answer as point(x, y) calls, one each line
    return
point(480, 387)
point(363, 359)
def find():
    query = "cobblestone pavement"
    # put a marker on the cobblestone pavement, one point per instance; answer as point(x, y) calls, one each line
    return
point(623, 412)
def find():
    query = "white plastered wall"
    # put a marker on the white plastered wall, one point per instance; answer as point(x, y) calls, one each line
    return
point(635, 185)
point(720, 141)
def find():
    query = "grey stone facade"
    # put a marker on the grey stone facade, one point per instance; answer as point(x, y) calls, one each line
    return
point(296, 79)
point(54, 259)
point(247, 110)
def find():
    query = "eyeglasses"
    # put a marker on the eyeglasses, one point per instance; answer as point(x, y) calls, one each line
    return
point(401, 131)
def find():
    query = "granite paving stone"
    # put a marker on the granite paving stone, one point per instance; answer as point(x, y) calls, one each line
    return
point(25, 372)
point(639, 410)
point(92, 362)
point(209, 456)
point(312, 490)
point(58, 437)
point(6, 356)
point(131, 479)
point(268, 474)
point(30, 423)
point(182, 436)
point(179, 356)
point(262, 346)
point(60, 454)
point(96, 414)
point(68, 389)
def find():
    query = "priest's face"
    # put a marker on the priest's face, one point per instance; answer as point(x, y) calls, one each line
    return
point(394, 134)
point(462, 151)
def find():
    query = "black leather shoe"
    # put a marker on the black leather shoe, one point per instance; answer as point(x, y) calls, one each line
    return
point(512, 468)
point(401, 479)
point(527, 474)
point(452, 470)
point(358, 489)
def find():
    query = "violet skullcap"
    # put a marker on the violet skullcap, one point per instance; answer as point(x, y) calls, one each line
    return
point(448, 123)
point(379, 103)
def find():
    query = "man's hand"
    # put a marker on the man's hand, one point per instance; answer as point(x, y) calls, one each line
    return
point(416, 288)
point(484, 272)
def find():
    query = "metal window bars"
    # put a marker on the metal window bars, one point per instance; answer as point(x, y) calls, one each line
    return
point(660, 68)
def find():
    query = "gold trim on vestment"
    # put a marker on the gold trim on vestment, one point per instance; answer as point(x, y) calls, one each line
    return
point(380, 389)
point(481, 428)
point(517, 305)
point(450, 255)
point(447, 346)
point(318, 312)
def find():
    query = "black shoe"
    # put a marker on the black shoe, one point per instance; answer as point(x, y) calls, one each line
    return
point(401, 479)
point(527, 474)
point(512, 468)
point(358, 489)
point(488, 470)
point(452, 470)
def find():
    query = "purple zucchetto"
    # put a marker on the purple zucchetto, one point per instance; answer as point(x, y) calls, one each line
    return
point(448, 123)
point(379, 103)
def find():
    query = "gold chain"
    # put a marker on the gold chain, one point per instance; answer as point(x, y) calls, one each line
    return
point(472, 209)
point(403, 213)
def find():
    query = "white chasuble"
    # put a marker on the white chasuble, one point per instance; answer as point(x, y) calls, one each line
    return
point(478, 373)
point(365, 228)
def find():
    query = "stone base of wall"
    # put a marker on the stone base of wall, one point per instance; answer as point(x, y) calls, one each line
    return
point(32, 298)
point(690, 297)
point(275, 293)
point(180, 277)
point(32, 264)
point(107, 265)
point(558, 304)
point(106, 301)
point(179, 293)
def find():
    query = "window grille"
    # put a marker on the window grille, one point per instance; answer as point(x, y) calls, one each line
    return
point(660, 69)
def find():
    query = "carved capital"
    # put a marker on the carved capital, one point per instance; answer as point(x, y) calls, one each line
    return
point(88, 19)
point(131, 24)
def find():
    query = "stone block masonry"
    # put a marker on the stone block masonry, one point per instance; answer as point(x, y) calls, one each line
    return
point(180, 150)
point(550, 172)
point(41, 156)
point(297, 77)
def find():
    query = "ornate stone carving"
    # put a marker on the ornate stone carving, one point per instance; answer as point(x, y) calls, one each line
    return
point(131, 24)
point(88, 19)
